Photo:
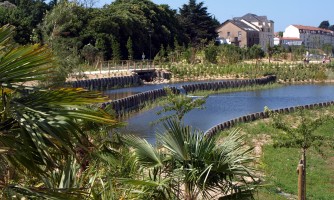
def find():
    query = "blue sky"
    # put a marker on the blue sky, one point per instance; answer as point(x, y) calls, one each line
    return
point(282, 12)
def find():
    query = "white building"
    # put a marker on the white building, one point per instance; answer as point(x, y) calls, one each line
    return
point(311, 37)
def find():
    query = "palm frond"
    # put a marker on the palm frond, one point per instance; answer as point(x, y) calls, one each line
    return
point(146, 154)
point(26, 63)
point(6, 33)
point(174, 138)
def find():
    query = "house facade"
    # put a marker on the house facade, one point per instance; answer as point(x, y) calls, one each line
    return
point(311, 37)
point(238, 33)
point(248, 30)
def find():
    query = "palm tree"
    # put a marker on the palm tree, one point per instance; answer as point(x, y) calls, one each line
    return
point(40, 129)
point(188, 164)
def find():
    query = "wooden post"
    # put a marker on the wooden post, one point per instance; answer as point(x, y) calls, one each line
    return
point(300, 171)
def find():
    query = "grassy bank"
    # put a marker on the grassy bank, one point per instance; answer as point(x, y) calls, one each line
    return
point(277, 166)
point(285, 72)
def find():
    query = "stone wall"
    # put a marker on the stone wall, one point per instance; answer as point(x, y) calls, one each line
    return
point(261, 115)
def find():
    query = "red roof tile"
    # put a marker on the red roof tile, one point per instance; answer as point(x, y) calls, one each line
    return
point(290, 38)
point(311, 28)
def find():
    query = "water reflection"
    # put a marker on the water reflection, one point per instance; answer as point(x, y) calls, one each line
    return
point(227, 106)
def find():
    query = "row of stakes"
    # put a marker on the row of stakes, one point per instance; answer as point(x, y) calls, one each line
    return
point(261, 115)
point(121, 106)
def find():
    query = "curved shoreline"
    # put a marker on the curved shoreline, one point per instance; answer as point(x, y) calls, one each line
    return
point(261, 115)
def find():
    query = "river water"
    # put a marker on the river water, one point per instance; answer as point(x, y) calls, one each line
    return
point(223, 107)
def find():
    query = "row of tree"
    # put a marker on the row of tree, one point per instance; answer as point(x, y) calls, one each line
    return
point(108, 31)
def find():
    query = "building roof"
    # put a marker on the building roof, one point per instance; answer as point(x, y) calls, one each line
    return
point(311, 28)
point(253, 18)
point(239, 24)
point(242, 25)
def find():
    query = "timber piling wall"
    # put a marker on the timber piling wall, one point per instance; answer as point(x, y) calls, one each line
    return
point(261, 115)
point(107, 83)
point(228, 84)
point(121, 106)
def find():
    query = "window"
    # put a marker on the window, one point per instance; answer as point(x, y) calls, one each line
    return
point(239, 35)
point(228, 34)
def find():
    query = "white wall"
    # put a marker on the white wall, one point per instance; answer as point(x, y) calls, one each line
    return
point(291, 31)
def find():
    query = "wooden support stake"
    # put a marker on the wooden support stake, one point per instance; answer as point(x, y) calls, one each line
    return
point(300, 182)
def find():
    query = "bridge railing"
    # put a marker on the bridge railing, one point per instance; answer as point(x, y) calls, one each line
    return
point(126, 65)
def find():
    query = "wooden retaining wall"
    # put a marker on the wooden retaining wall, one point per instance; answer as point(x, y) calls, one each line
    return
point(228, 84)
point(105, 83)
point(134, 102)
point(261, 115)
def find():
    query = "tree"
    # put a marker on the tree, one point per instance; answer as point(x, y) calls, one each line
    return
point(189, 164)
point(198, 24)
point(331, 28)
point(256, 52)
point(116, 51)
point(41, 133)
point(301, 136)
point(324, 25)
point(25, 15)
point(62, 30)
point(180, 104)
point(211, 53)
point(229, 54)
point(89, 52)
point(129, 47)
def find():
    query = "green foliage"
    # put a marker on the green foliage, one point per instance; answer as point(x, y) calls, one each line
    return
point(256, 52)
point(279, 164)
point(41, 129)
point(180, 104)
point(61, 30)
point(302, 136)
point(89, 52)
point(187, 159)
point(324, 24)
point(115, 46)
point(25, 15)
point(197, 23)
point(129, 47)
point(327, 48)
point(280, 169)
point(211, 53)
point(230, 54)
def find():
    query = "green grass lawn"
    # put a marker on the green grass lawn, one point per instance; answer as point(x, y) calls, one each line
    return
point(278, 165)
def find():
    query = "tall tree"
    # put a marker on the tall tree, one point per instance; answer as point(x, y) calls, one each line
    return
point(129, 47)
point(198, 24)
point(63, 30)
point(324, 24)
